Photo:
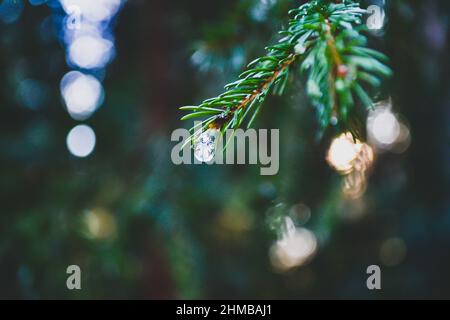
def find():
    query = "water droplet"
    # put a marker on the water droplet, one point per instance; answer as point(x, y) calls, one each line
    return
point(300, 48)
point(205, 145)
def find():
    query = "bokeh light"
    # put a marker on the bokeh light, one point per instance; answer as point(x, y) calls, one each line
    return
point(260, 11)
point(32, 93)
point(295, 247)
point(10, 10)
point(353, 159)
point(393, 252)
point(90, 52)
point(99, 224)
point(81, 141)
point(98, 10)
point(354, 184)
point(354, 208)
point(87, 35)
point(343, 152)
point(73, 21)
point(385, 129)
point(83, 94)
point(300, 213)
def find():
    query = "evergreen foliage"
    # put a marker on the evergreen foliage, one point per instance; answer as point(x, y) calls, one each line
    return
point(325, 43)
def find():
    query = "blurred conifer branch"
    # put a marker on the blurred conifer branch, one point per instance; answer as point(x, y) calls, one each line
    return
point(325, 42)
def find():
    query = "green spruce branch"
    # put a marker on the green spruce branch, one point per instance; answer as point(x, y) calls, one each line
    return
point(325, 42)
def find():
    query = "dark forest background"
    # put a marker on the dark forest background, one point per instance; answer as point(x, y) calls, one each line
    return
point(166, 231)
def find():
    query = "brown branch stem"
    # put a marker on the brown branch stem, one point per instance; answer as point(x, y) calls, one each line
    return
point(244, 103)
point(340, 69)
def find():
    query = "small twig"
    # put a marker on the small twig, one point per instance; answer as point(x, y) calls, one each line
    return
point(244, 103)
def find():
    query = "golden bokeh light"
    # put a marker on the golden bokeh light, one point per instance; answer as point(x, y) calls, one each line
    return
point(347, 154)
point(343, 151)
point(99, 224)
point(352, 159)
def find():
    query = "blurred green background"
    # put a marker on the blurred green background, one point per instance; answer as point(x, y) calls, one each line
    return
point(140, 227)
